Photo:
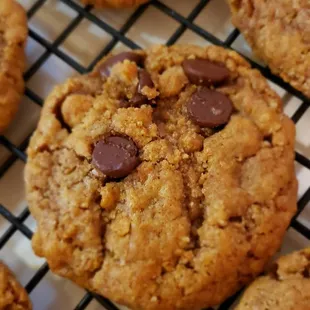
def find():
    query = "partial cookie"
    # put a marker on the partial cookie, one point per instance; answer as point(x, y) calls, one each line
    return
point(13, 34)
point(285, 287)
point(114, 3)
point(164, 179)
point(12, 295)
point(279, 33)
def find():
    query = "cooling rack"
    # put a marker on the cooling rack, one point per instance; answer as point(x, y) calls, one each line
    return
point(186, 21)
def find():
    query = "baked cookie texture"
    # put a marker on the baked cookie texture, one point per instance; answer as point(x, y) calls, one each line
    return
point(114, 3)
point(12, 295)
point(199, 213)
point(285, 287)
point(13, 34)
point(279, 33)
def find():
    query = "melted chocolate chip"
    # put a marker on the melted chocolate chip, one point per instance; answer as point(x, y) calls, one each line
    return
point(138, 100)
point(115, 156)
point(59, 116)
point(306, 272)
point(144, 80)
point(209, 108)
point(105, 68)
point(205, 72)
point(123, 103)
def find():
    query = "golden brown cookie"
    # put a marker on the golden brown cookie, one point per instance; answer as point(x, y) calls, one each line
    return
point(13, 34)
point(12, 295)
point(164, 179)
point(279, 33)
point(114, 3)
point(285, 287)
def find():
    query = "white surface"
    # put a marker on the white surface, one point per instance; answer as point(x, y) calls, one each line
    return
point(83, 44)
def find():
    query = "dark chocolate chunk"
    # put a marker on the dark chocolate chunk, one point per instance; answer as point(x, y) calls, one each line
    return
point(144, 80)
point(205, 72)
point(115, 156)
point(138, 100)
point(105, 68)
point(124, 103)
point(306, 272)
point(209, 108)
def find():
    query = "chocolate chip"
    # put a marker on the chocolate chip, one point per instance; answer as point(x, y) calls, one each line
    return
point(60, 117)
point(123, 103)
point(105, 68)
point(144, 80)
point(209, 108)
point(205, 72)
point(115, 156)
point(138, 100)
point(306, 272)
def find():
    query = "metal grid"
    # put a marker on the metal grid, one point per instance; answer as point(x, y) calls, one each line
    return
point(18, 151)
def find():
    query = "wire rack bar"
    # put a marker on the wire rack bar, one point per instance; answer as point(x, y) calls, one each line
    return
point(84, 302)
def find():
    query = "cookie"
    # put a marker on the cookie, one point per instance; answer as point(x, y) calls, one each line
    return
point(114, 3)
point(279, 34)
point(12, 295)
point(164, 179)
point(285, 287)
point(13, 34)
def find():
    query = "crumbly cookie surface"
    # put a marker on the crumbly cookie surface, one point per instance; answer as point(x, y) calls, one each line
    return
point(203, 209)
point(12, 295)
point(279, 33)
point(114, 3)
point(286, 287)
point(13, 34)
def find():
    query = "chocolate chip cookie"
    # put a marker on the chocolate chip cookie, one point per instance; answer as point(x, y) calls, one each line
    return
point(279, 33)
point(164, 179)
point(13, 34)
point(285, 287)
point(12, 295)
point(114, 3)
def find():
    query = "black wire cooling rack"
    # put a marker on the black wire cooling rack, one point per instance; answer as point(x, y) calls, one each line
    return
point(18, 151)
